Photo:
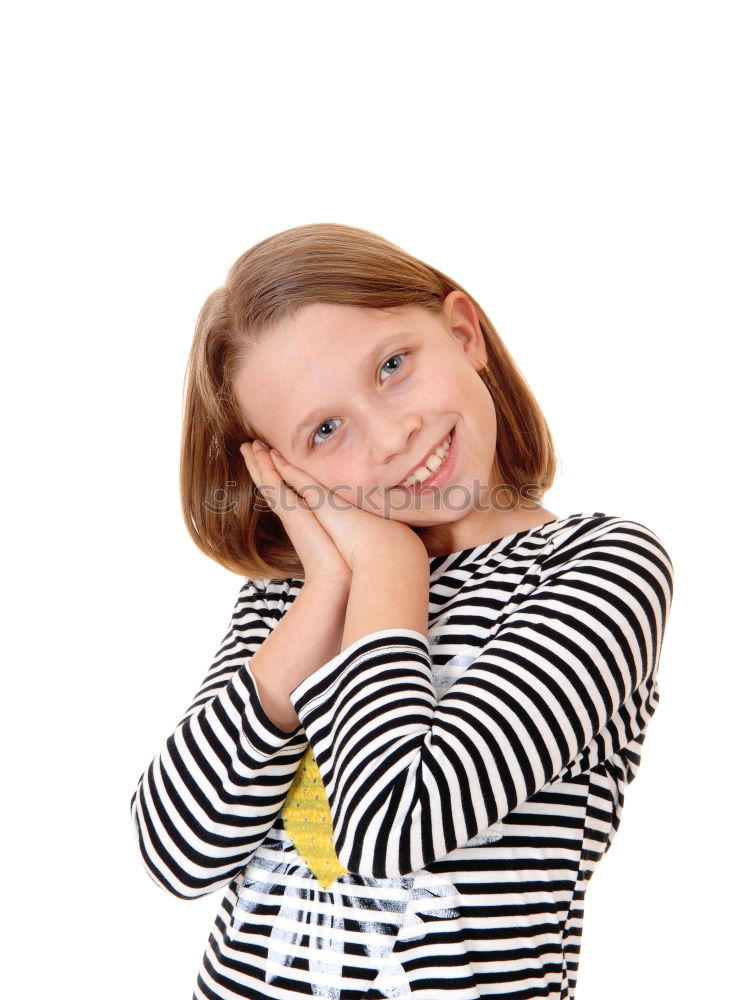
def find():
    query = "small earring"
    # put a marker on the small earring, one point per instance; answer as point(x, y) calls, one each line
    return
point(484, 368)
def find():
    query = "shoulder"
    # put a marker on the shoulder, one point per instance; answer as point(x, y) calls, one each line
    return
point(271, 595)
point(615, 538)
point(577, 528)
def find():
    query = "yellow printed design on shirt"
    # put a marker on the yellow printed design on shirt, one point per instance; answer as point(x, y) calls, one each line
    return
point(308, 822)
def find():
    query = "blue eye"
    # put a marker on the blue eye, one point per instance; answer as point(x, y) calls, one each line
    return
point(393, 358)
point(333, 420)
point(326, 423)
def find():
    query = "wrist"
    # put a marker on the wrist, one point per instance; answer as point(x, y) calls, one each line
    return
point(404, 548)
point(335, 585)
point(390, 590)
point(407, 558)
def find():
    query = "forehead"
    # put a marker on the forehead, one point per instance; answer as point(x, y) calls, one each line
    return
point(332, 335)
point(312, 361)
point(331, 316)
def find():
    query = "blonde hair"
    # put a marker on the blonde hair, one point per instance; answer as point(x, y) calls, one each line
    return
point(269, 283)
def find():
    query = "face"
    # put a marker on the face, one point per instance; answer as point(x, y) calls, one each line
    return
point(362, 398)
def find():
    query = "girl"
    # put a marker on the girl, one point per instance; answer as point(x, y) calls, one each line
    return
point(412, 747)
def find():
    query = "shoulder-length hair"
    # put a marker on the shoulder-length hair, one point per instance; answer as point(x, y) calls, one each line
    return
point(224, 513)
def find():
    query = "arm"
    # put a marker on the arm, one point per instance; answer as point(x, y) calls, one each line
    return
point(410, 779)
point(390, 589)
point(206, 802)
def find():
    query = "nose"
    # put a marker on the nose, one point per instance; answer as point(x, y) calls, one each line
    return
point(392, 436)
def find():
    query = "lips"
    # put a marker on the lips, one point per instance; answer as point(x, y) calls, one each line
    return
point(423, 462)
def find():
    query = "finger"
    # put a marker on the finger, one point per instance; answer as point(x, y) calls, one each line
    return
point(264, 476)
point(304, 485)
point(295, 471)
point(249, 457)
point(282, 488)
point(324, 502)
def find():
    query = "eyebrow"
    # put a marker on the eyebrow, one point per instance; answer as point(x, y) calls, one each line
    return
point(316, 415)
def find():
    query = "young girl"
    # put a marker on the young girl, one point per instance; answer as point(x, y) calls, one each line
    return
point(412, 747)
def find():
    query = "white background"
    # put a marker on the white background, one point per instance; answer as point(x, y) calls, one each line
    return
point(579, 168)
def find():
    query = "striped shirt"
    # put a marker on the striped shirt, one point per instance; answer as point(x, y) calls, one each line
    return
point(475, 777)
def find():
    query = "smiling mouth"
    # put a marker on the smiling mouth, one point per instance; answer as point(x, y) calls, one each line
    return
point(430, 465)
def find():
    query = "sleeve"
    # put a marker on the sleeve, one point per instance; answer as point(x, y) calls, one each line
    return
point(410, 778)
point(207, 800)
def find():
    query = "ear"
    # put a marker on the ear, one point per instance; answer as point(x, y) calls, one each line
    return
point(462, 322)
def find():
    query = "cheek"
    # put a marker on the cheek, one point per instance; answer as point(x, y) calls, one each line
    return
point(483, 409)
point(337, 475)
point(364, 496)
point(490, 422)
point(487, 414)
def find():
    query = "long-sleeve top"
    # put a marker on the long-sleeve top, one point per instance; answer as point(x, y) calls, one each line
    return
point(474, 777)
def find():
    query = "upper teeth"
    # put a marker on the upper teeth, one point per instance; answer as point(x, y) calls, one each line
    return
point(432, 464)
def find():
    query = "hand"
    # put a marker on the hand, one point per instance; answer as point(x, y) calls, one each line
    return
point(320, 557)
point(355, 533)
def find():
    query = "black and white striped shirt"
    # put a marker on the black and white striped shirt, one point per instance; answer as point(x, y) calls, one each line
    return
point(475, 777)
